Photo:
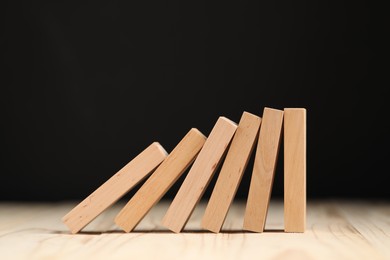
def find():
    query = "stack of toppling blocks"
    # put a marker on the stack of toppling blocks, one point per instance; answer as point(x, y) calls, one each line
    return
point(205, 154)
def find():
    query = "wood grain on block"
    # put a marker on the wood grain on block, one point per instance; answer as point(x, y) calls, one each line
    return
point(161, 180)
point(263, 170)
point(294, 169)
point(115, 187)
point(231, 172)
point(199, 175)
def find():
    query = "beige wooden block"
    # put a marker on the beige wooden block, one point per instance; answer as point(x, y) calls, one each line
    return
point(199, 175)
point(294, 169)
point(115, 187)
point(263, 170)
point(231, 173)
point(161, 180)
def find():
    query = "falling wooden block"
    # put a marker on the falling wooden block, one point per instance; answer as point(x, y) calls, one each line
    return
point(294, 169)
point(199, 175)
point(231, 173)
point(161, 180)
point(263, 170)
point(115, 187)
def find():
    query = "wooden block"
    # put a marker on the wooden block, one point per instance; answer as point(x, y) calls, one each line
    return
point(263, 170)
point(161, 180)
point(115, 187)
point(231, 173)
point(199, 175)
point(294, 169)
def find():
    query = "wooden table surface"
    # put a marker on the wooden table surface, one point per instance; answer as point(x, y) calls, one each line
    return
point(335, 230)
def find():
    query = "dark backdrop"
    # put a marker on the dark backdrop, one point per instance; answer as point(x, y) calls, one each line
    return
point(86, 86)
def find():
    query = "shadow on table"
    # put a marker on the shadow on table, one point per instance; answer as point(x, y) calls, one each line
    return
point(186, 231)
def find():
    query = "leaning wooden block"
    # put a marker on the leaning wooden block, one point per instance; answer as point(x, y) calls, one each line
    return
point(161, 180)
point(199, 175)
point(115, 187)
point(263, 170)
point(231, 173)
point(294, 169)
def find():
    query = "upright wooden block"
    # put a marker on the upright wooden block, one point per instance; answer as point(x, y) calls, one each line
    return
point(294, 169)
point(199, 175)
point(115, 187)
point(161, 180)
point(263, 170)
point(231, 173)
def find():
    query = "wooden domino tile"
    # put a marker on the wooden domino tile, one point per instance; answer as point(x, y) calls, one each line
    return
point(115, 187)
point(199, 175)
point(231, 172)
point(161, 180)
point(263, 170)
point(294, 169)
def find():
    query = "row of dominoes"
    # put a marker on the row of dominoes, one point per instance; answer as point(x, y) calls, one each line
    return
point(205, 154)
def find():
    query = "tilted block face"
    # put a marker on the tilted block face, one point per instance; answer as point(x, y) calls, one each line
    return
point(231, 172)
point(115, 187)
point(161, 180)
point(199, 175)
point(263, 170)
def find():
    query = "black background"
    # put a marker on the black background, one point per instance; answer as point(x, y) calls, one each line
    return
point(86, 86)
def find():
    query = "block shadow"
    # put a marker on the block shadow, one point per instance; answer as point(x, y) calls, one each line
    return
point(187, 231)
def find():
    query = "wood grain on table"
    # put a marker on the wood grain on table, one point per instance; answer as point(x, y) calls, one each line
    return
point(334, 230)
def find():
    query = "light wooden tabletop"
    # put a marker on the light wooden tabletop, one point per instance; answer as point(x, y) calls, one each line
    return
point(335, 230)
